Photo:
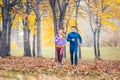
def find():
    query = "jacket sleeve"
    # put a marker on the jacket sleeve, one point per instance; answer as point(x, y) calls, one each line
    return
point(57, 38)
point(80, 38)
point(69, 38)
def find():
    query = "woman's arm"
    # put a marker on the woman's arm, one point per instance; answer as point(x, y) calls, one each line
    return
point(57, 38)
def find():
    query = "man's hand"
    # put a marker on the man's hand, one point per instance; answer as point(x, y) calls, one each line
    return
point(80, 45)
point(73, 39)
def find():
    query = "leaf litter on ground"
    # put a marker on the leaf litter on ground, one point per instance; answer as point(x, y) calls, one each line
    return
point(36, 68)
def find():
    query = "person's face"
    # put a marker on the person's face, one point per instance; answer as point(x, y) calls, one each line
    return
point(73, 30)
point(60, 31)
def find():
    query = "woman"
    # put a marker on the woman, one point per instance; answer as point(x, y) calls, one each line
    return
point(60, 43)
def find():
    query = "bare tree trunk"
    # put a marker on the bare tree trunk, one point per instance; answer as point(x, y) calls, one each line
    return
point(9, 34)
point(98, 38)
point(61, 19)
point(6, 27)
point(62, 9)
point(37, 12)
point(10, 19)
point(29, 47)
point(26, 39)
point(62, 13)
point(26, 42)
point(34, 45)
point(77, 5)
point(98, 44)
point(27, 50)
point(3, 40)
point(64, 55)
point(53, 7)
point(94, 34)
point(95, 48)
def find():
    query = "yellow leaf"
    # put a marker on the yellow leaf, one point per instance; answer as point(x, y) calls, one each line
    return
point(1, 2)
point(13, 44)
point(105, 22)
point(106, 15)
point(117, 2)
point(114, 28)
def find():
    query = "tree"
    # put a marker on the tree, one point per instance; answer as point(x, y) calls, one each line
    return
point(58, 10)
point(37, 12)
point(100, 14)
point(33, 29)
point(77, 6)
point(27, 50)
point(6, 7)
point(28, 7)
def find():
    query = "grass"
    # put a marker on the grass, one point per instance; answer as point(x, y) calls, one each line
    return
point(107, 53)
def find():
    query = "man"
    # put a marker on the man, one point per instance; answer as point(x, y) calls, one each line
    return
point(73, 38)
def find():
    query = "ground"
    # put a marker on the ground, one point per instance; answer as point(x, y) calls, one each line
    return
point(107, 53)
point(36, 68)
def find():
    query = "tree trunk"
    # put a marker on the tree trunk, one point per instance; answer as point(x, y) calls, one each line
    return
point(3, 41)
point(37, 12)
point(94, 34)
point(53, 7)
point(62, 9)
point(29, 47)
point(55, 31)
point(95, 50)
point(6, 27)
point(27, 50)
point(98, 40)
point(77, 5)
point(9, 34)
point(33, 45)
point(62, 15)
point(26, 39)
point(98, 44)
point(26, 43)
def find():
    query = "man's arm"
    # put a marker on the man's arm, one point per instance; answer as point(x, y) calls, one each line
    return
point(80, 38)
point(69, 38)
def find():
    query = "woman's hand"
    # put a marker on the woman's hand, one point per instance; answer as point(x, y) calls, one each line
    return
point(61, 37)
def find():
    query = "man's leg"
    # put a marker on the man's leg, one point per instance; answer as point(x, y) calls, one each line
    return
point(71, 54)
point(76, 55)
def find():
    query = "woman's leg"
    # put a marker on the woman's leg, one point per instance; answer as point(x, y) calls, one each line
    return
point(58, 53)
point(61, 54)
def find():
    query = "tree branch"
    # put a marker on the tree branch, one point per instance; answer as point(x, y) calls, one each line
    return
point(59, 5)
point(15, 3)
point(91, 22)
